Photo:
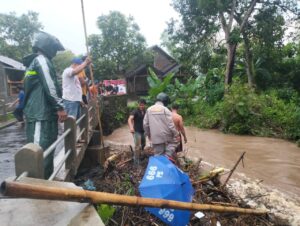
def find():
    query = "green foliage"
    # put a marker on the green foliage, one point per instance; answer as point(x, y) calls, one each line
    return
point(132, 106)
point(235, 36)
point(62, 60)
point(127, 185)
point(157, 85)
point(118, 43)
point(105, 212)
point(8, 117)
point(263, 59)
point(192, 41)
point(241, 110)
point(16, 33)
point(270, 114)
point(121, 116)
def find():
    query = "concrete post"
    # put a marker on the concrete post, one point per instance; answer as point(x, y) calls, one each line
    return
point(85, 123)
point(70, 142)
point(30, 158)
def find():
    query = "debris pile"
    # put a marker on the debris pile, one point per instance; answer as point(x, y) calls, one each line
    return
point(123, 177)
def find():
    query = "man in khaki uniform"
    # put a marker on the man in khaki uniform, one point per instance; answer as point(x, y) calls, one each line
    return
point(160, 128)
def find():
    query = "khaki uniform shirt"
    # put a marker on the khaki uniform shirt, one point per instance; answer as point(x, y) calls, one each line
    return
point(158, 124)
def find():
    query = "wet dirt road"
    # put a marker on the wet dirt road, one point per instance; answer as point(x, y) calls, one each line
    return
point(12, 139)
point(275, 161)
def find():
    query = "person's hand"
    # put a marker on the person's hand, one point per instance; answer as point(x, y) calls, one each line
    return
point(185, 140)
point(131, 130)
point(88, 61)
point(62, 115)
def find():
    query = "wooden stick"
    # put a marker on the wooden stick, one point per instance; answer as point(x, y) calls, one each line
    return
point(91, 73)
point(233, 169)
point(224, 204)
point(25, 190)
point(86, 42)
point(124, 162)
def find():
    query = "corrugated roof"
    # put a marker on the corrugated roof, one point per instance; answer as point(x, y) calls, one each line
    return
point(174, 67)
point(11, 62)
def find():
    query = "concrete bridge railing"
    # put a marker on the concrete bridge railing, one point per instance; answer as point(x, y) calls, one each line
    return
point(29, 161)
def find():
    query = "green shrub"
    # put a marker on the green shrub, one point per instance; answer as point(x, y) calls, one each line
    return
point(132, 106)
point(243, 110)
point(246, 112)
point(105, 212)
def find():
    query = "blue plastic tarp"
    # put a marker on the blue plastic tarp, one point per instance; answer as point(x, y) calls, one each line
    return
point(164, 180)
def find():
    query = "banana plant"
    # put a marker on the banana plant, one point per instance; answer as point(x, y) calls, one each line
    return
point(157, 85)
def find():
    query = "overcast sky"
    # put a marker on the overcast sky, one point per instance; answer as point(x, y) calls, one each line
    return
point(63, 18)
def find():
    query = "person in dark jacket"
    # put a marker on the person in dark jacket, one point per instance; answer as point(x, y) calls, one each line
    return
point(43, 104)
point(135, 123)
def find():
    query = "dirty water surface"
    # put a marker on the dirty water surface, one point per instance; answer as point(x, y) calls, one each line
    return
point(12, 139)
point(273, 161)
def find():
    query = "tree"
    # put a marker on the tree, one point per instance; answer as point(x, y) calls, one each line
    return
point(118, 43)
point(63, 60)
point(263, 38)
point(16, 33)
point(203, 20)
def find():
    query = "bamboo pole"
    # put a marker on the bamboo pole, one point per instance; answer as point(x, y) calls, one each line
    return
point(25, 190)
point(91, 73)
point(86, 42)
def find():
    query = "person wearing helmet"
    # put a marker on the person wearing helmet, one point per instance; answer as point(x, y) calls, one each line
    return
point(43, 104)
point(160, 128)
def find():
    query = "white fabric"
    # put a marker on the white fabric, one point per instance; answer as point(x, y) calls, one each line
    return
point(122, 89)
point(37, 133)
point(71, 86)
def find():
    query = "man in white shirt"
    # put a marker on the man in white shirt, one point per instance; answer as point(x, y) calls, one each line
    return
point(71, 84)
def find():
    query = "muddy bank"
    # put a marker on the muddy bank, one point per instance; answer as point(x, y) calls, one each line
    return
point(274, 161)
point(257, 195)
point(270, 179)
point(123, 177)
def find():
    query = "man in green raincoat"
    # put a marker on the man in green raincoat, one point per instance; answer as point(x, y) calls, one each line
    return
point(43, 103)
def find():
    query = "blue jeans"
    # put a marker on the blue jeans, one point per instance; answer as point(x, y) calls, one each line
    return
point(72, 108)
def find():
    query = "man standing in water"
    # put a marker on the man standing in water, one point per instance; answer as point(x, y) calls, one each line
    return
point(43, 103)
point(135, 123)
point(160, 128)
point(178, 121)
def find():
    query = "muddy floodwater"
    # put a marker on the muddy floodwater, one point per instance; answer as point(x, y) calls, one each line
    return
point(275, 161)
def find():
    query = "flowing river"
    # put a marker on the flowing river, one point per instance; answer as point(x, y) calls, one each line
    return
point(275, 161)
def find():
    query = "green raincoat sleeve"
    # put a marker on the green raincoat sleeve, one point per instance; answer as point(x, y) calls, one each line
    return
point(42, 92)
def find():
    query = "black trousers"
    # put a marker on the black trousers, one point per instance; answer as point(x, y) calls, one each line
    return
point(18, 113)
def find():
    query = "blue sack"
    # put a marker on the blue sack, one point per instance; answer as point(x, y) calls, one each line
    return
point(164, 180)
